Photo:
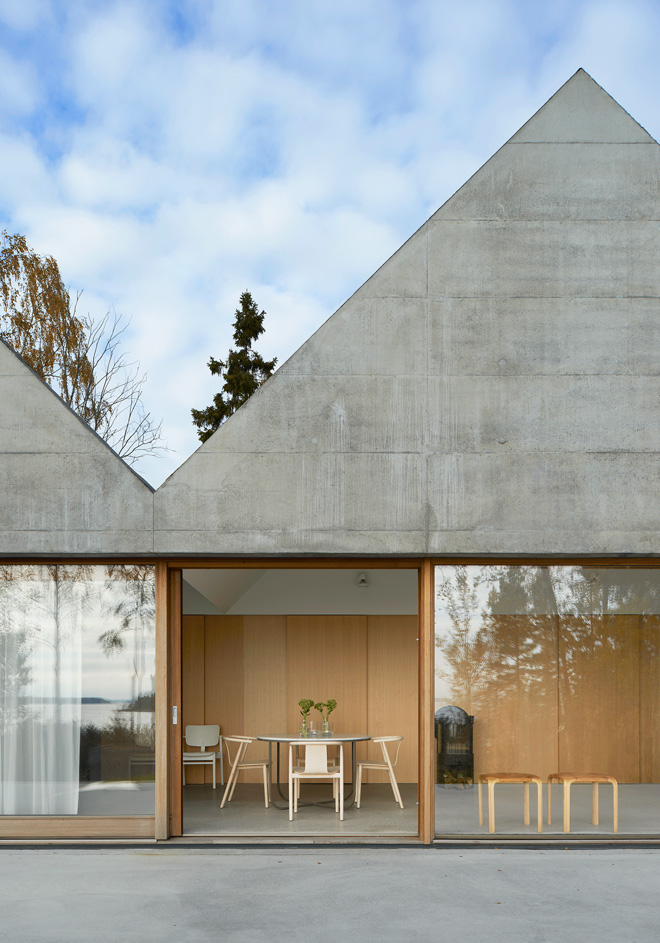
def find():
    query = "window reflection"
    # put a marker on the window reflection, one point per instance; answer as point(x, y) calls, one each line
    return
point(558, 666)
point(76, 690)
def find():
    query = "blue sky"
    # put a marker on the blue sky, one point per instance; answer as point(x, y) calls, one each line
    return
point(171, 155)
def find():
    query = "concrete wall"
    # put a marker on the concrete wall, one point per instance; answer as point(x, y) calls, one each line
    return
point(62, 489)
point(493, 388)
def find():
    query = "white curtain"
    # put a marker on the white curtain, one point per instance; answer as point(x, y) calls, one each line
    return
point(41, 610)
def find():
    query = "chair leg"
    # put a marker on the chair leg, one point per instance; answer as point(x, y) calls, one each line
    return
point(214, 772)
point(292, 797)
point(233, 785)
point(481, 803)
point(615, 800)
point(395, 787)
point(539, 801)
point(549, 802)
point(526, 803)
point(184, 774)
point(231, 782)
point(222, 766)
point(358, 786)
point(340, 790)
point(265, 786)
point(228, 788)
point(491, 807)
point(594, 803)
point(567, 806)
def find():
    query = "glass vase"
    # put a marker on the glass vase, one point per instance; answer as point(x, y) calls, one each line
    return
point(303, 728)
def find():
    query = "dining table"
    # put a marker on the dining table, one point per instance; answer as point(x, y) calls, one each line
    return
point(280, 738)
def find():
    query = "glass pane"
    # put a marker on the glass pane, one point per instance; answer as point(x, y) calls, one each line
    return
point(544, 672)
point(77, 669)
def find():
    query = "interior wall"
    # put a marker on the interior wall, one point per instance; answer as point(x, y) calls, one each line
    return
point(580, 693)
point(247, 673)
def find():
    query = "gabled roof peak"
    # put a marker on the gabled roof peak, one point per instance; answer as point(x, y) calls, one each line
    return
point(581, 112)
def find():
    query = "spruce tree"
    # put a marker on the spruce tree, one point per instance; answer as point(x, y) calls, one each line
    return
point(243, 371)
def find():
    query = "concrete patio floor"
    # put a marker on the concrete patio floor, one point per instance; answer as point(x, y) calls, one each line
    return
point(177, 894)
point(246, 816)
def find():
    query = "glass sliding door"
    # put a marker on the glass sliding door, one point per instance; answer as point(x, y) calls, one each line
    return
point(76, 690)
point(548, 673)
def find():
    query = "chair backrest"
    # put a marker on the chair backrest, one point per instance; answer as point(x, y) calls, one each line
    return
point(202, 735)
point(240, 744)
point(383, 745)
point(316, 755)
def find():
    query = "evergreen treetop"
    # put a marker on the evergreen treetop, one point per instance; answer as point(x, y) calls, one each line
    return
point(243, 371)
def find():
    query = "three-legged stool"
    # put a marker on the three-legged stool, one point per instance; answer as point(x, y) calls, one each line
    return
point(567, 779)
point(526, 778)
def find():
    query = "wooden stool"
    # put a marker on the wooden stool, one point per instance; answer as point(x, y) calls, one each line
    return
point(594, 778)
point(526, 778)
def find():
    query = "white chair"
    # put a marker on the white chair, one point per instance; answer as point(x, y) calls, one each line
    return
point(203, 736)
point(299, 764)
point(317, 765)
point(238, 764)
point(387, 764)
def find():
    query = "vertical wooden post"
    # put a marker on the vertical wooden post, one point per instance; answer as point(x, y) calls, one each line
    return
point(176, 793)
point(162, 705)
point(426, 687)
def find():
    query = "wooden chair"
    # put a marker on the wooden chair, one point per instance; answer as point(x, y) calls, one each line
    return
point(525, 778)
point(203, 736)
point(567, 780)
point(317, 765)
point(299, 763)
point(238, 764)
point(387, 764)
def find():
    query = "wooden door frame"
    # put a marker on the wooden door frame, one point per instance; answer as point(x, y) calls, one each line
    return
point(170, 808)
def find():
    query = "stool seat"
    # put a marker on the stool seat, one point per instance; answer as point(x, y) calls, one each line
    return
point(582, 777)
point(491, 779)
point(569, 779)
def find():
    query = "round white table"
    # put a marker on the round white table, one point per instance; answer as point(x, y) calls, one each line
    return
point(280, 738)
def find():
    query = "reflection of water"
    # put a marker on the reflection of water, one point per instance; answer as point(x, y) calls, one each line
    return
point(101, 715)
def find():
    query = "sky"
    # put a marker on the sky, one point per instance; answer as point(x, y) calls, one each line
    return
point(171, 155)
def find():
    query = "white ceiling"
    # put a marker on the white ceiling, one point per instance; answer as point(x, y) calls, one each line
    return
point(300, 592)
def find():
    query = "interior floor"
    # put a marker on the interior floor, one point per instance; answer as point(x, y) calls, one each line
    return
point(457, 810)
point(246, 815)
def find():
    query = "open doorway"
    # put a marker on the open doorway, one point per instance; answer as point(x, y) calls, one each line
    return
point(257, 641)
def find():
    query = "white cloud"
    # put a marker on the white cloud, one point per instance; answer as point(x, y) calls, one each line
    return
point(18, 88)
point(22, 14)
point(171, 156)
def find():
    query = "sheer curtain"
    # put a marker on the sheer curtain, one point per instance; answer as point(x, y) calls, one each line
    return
point(41, 609)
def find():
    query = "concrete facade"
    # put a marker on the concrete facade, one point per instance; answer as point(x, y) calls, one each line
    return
point(492, 389)
point(64, 491)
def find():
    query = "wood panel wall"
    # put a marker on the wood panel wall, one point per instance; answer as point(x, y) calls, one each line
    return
point(571, 694)
point(247, 673)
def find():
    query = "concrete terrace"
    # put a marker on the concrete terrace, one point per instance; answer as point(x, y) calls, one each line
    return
point(184, 895)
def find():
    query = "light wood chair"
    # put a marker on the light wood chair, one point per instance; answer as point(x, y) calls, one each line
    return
point(491, 779)
point(317, 765)
point(238, 764)
point(299, 763)
point(203, 736)
point(388, 764)
point(568, 779)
